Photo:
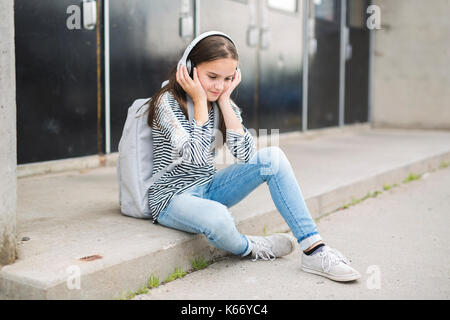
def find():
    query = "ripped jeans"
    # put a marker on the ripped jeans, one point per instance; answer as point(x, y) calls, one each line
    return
point(204, 209)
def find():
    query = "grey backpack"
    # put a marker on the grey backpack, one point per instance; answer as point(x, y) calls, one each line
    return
point(135, 160)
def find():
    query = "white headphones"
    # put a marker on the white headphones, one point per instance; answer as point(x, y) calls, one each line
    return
point(187, 62)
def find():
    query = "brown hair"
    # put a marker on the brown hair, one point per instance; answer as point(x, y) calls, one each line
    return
point(208, 49)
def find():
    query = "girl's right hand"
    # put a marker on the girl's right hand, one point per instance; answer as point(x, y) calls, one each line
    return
point(192, 87)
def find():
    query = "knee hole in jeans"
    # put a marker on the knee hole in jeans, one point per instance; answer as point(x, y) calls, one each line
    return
point(270, 159)
point(220, 227)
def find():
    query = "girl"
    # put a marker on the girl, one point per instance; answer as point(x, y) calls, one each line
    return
point(195, 196)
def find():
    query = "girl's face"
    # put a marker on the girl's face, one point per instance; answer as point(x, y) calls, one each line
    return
point(216, 76)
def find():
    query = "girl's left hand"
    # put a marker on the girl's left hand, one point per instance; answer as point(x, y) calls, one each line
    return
point(225, 96)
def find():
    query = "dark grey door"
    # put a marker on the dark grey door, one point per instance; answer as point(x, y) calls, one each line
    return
point(324, 64)
point(268, 37)
point(357, 63)
point(56, 79)
point(145, 43)
point(232, 18)
point(280, 89)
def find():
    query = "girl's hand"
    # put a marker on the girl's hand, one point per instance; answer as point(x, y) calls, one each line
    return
point(191, 86)
point(225, 96)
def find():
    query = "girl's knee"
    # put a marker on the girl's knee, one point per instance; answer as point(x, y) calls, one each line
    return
point(271, 159)
point(270, 154)
point(221, 224)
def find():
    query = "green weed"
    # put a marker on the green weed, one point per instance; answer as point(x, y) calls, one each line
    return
point(153, 282)
point(178, 273)
point(412, 177)
point(199, 263)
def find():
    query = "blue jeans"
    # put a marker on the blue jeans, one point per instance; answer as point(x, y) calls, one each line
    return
point(204, 209)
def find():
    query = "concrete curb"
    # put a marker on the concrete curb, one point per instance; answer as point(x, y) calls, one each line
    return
point(327, 202)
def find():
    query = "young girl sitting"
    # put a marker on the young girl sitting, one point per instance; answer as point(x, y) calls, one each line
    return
point(195, 196)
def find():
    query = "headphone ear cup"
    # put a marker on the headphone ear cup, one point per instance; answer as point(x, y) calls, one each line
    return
point(188, 66)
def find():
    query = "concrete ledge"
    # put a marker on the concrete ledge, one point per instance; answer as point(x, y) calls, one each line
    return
point(56, 166)
point(72, 215)
point(97, 161)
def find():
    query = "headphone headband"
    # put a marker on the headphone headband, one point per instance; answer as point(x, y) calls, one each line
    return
point(183, 60)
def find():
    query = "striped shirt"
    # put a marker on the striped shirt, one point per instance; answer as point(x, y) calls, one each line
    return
point(175, 137)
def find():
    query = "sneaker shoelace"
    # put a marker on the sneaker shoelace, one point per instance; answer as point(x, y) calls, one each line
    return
point(262, 251)
point(332, 257)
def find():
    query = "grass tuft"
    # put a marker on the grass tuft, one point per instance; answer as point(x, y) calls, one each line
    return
point(153, 281)
point(177, 274)
point(412, 177)
point(199, 263)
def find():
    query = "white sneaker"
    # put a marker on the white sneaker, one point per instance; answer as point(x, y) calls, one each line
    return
point(271, 247)
point(329, 263)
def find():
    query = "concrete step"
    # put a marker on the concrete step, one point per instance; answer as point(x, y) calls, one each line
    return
point(81, 247)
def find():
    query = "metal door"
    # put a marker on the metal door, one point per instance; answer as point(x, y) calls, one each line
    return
point(56, 79)
point(357, 63)
point(147, 38)
point(238, 20)
point(324, 63)
point(269, 39)
point(280, 65)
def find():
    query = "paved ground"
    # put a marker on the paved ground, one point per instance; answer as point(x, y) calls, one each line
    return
point(69, 224)
point(398, 241)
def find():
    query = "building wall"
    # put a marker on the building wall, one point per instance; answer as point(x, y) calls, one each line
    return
point(411, 80)
point(7, 134)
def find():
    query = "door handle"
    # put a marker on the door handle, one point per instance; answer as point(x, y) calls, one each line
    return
point(312, 41)
point(348, 46)
point(264, 38)
point(252, 36)
point(89, 14)
point(186, 20)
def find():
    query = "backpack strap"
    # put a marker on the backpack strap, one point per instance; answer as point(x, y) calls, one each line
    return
point(190, 105)
point(216, 116)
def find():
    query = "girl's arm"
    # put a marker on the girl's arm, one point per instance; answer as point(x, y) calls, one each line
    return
point(238, 139)
point(194, 148)
point(231, 118)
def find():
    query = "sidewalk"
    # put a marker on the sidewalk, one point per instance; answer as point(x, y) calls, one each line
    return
point(79, 239)
point(398, 241)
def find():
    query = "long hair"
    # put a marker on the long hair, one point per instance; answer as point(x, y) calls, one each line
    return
point(208, 49)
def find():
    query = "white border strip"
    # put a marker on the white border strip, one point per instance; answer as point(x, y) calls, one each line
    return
point(107, 83)
point(342, 63)
point(370, 80)
point(305, 16)
point(197, 18)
